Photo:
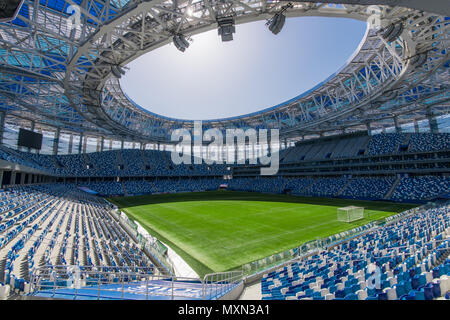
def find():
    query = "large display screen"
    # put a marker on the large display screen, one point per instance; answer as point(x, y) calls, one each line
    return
point(29, 139)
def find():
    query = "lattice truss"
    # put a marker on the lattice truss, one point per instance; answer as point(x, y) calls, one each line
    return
point(61, 76)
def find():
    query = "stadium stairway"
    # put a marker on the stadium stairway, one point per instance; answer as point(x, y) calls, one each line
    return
point(343, 187)
point(144, 162)
point(120, 159)
point(392, 189)
point(124, 188)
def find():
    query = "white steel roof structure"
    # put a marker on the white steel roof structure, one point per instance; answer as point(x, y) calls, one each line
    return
point(65, 77)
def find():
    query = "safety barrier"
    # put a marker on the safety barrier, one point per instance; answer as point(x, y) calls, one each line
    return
point(218, 284)
point(121, 283)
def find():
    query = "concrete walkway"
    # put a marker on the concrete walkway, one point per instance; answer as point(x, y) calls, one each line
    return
point(252, 292)
point(182, 269)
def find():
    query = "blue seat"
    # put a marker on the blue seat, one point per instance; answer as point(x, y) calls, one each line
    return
point(351, 296)
point(333, 289)
point(385, 284)
point(371, 292)
point(355, 288)
point(340, 294)
point(382, 296)
point(437, 289)
point(428, 291)
point(407, 285)
point(416, 295)
point(400, 289)
point(415, 282)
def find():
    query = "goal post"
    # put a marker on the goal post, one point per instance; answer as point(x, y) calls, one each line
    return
point(350, 214)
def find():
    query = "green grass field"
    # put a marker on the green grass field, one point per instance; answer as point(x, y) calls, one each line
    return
point(222, 230)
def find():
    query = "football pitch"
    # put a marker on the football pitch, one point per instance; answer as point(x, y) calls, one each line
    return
point(222, 230)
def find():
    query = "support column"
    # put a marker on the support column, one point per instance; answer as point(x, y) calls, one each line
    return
point(432, 121)
point(2, 125)
point(69, 151)
point(33, 124)
point(84, 144)
point(368, 128)
point(80, 144)
point(398, 129)
point(102, 142)
point(416, 127)
point(13, 178)
point(56, 141)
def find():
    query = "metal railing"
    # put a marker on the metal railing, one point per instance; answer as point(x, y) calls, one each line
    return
point(216, 285)
point(304, 249)
point(121, 283)
point(310, 247)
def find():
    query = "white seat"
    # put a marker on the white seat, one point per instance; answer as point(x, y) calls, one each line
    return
point(26, 288)
point(392, 281)
point(362, 284)
point(391, 293)
point(429, 276)
point(4, 291)
point(296, 282)
point(362, 294)
point(324, 292)
point(329, 296)
point(444, 284)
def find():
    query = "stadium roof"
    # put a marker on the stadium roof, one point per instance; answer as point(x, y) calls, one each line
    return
point(62, 77)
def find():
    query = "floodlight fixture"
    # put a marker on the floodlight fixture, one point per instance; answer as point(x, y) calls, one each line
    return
point(226, 28)
point(117, 71)
point(276, 23)
point(419, 59)
point(180, 42)
point(392, 31)
point(9, 9)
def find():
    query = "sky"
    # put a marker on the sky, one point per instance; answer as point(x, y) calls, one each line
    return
point(214, 79)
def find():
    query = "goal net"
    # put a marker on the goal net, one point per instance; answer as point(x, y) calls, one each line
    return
point(350, 213)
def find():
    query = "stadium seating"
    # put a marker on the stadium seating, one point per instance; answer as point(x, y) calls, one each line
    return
point(370, 188)
point(421, 188)
point(405, 260)
point(57, 224)
point(385, 143)
point(139, 187)
point(429, 142)
point(134, 162)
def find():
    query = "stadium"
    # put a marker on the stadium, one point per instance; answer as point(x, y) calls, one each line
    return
point(340, 193)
